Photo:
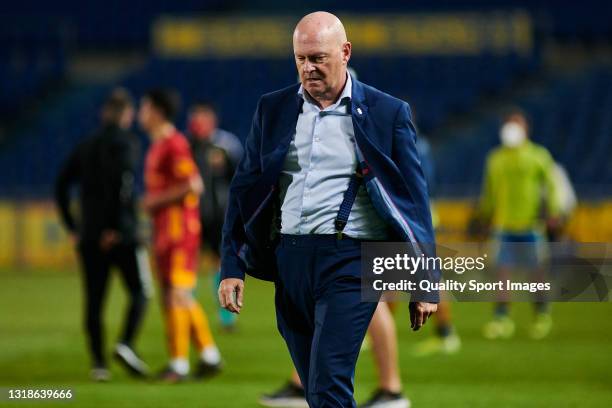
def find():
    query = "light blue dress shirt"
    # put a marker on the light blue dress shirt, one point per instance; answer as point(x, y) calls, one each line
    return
point(317, 170)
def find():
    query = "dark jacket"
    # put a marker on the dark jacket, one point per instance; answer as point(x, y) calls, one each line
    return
point(103, 168)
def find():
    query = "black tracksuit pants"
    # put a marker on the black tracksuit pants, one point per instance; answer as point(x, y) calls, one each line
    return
point(133, 265)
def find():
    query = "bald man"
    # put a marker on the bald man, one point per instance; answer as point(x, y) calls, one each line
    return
point(329, 163)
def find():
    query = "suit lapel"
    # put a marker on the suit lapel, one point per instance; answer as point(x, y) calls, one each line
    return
point(359, 107)
point(279, 139)
point(279, 136)
point(360, 115)
point(288, 121)
point(276, 138)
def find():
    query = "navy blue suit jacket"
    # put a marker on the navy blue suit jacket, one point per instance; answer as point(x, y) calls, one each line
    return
point(386, 142)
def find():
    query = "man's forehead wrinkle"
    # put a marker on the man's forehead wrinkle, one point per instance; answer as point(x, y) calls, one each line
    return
point(309, 38)
point(313, 36)
point(315, 45)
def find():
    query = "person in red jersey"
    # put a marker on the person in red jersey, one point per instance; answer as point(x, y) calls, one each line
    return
point(173, 187)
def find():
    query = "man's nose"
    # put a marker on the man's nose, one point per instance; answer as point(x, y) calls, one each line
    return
point(308, 66)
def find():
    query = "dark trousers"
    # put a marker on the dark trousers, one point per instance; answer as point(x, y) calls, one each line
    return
point(320, 314)
point(134, 268)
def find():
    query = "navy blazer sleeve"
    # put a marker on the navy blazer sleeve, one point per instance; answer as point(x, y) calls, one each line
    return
point(406, 158)
point(247, 172)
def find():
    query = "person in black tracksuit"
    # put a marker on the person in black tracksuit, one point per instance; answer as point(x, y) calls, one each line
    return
point(216, 152)
point(103, 168)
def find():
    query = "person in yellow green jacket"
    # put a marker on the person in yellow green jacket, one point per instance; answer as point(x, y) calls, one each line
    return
point(519, 196)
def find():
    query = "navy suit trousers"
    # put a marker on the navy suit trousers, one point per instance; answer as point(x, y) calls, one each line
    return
point(320, 314)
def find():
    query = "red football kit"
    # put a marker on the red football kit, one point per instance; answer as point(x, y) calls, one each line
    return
point(176, 227)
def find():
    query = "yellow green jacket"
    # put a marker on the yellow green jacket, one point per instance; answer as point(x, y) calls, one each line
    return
point(517, 181)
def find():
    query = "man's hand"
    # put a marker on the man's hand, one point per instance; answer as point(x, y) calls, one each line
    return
point(74, 238)
point(230, 294)
point(554, 227)
point(420, 312)
point(152, 202)
point(149, 203)
point(109, 239)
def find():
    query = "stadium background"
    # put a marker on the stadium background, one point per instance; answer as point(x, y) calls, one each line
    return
point(459, 64)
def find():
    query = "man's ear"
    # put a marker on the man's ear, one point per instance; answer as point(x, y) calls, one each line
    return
point(346, 52)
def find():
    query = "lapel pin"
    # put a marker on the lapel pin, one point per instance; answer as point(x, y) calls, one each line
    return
point(359, 111)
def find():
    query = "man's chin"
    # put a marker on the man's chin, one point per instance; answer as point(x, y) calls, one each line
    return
point(315, 90)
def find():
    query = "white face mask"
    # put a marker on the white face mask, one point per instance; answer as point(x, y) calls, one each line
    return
point(512, 134)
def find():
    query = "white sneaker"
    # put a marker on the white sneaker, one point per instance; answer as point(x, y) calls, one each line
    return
point(100, 374)
point(289, 396)
point(386, 399)
point(130, 360)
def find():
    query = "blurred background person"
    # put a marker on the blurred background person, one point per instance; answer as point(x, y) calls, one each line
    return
point(106, 233)
point(517, 175)
point(445, 338)
point(216, 153)
point(173, 188)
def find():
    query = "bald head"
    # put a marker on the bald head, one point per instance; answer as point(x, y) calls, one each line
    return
point(321, 53)
point(320, 27)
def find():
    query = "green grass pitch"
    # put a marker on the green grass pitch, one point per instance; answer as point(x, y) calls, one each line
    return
point(42, 346)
